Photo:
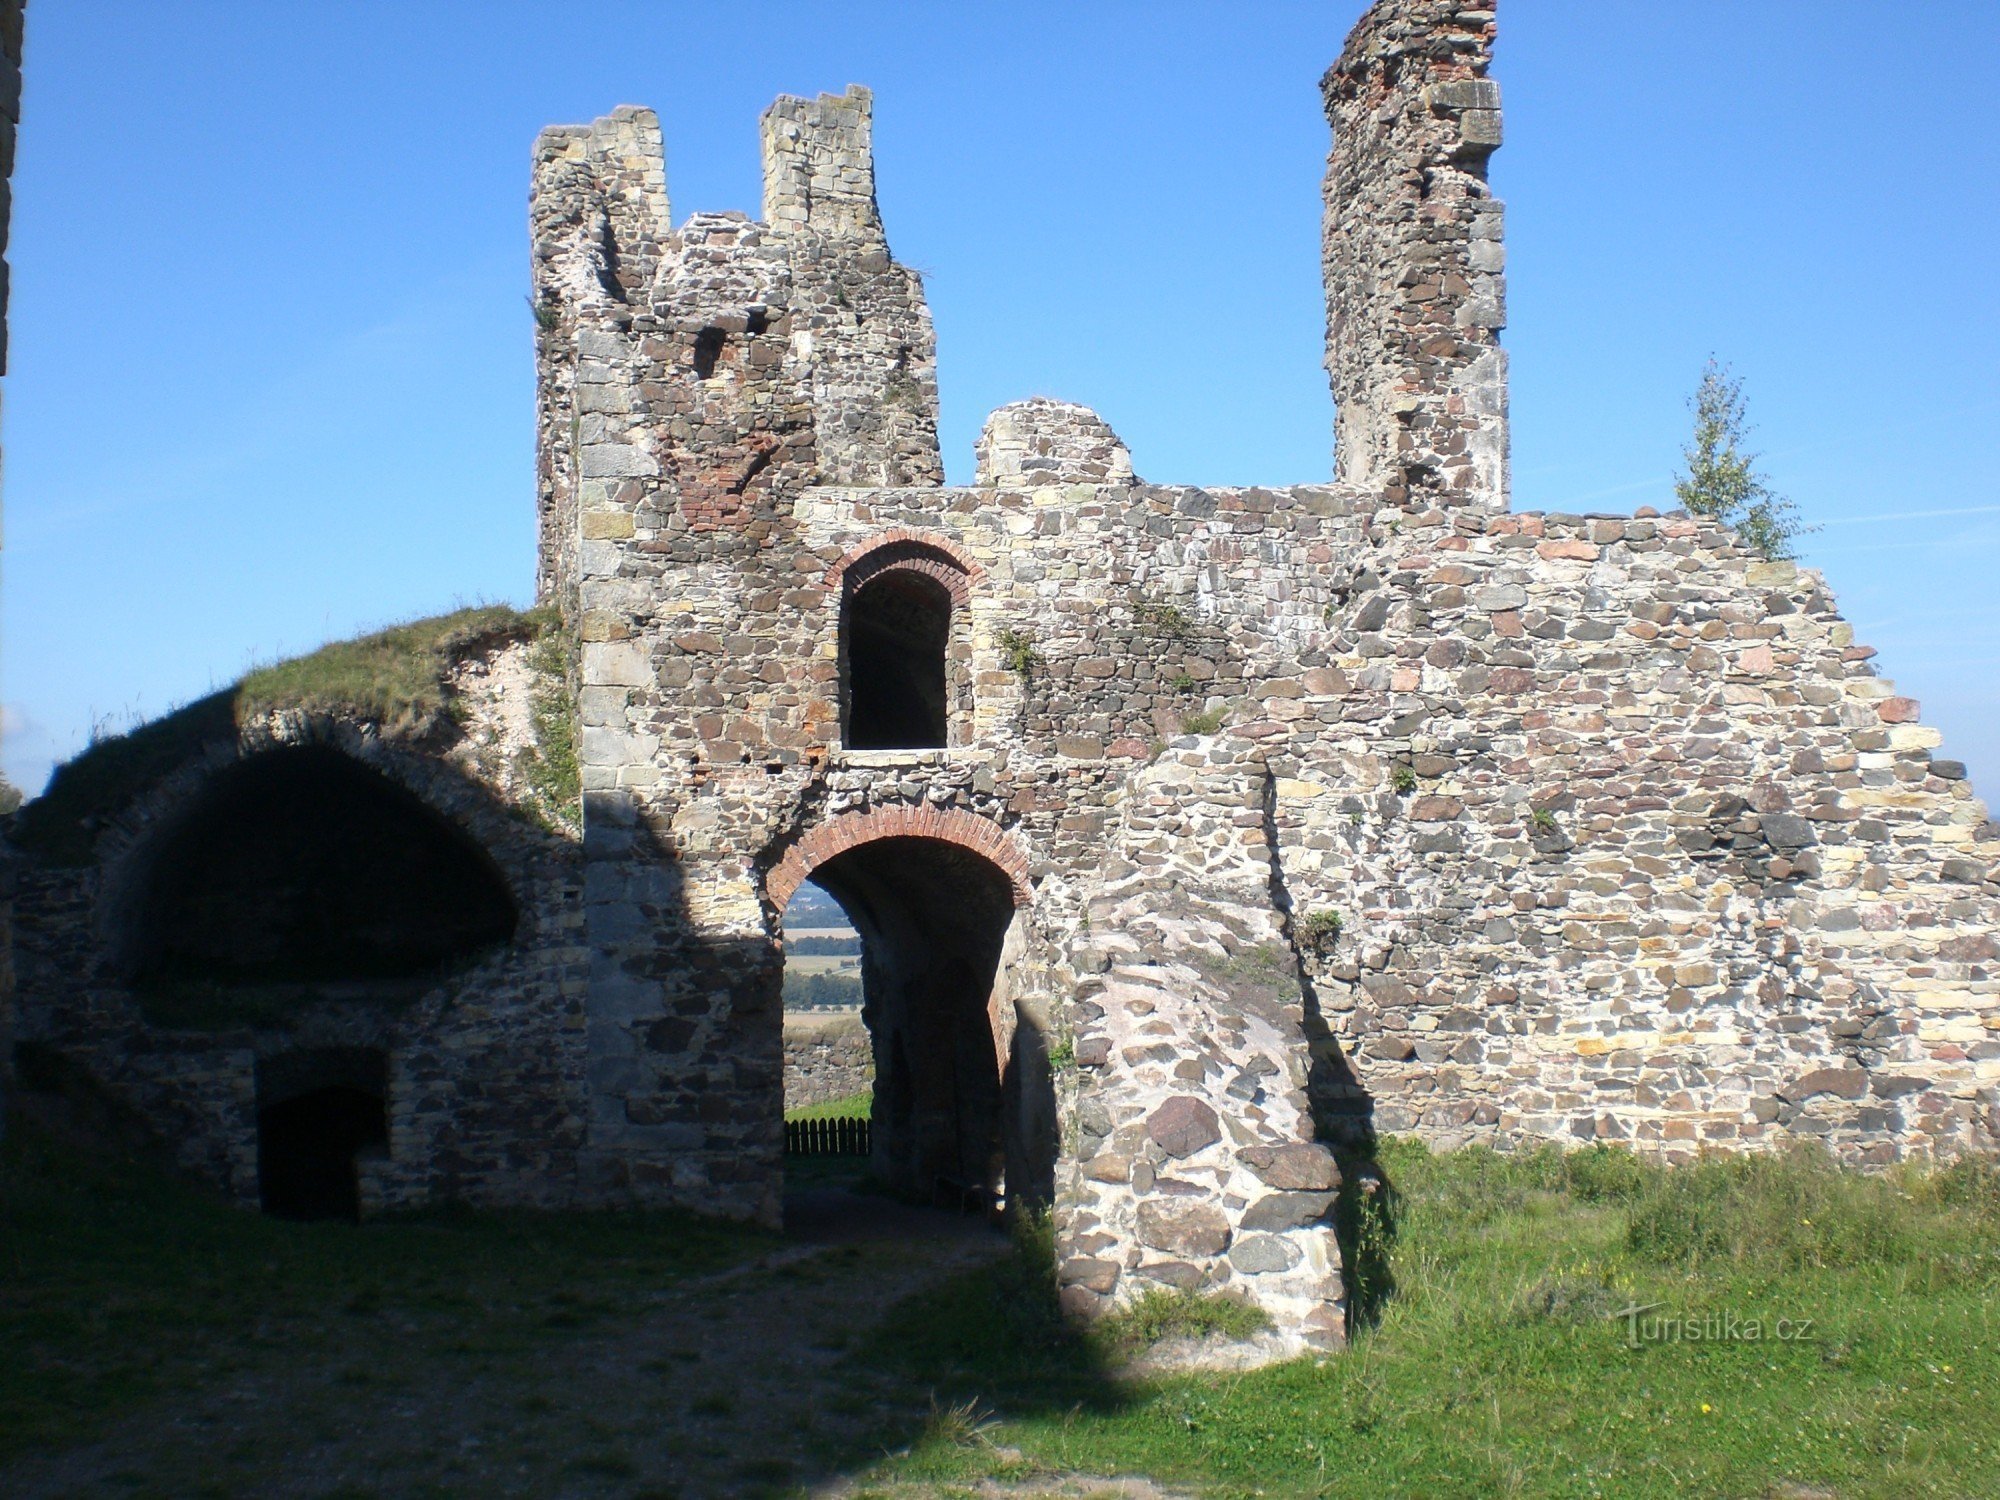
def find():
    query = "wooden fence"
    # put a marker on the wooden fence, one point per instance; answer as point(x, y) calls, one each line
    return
point(827, 1138)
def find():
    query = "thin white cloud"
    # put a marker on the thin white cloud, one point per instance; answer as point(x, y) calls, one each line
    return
point(1912, 515)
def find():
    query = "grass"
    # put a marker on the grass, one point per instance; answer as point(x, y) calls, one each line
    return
point(395, 678)
point(1320, 928)
point(1017, 651)
point(1163, 1313)
point(1160, 618)
point(1206, 722)
point(853, 1107)
point(554, 777)
point(1493, 1362)
point(1489, 1356)
point(824, 963)
point(118, 1283)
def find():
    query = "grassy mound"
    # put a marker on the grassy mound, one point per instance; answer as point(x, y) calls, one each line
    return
point(395, 678)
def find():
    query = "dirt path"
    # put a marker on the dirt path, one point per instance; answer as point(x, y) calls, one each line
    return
point(726, 1385)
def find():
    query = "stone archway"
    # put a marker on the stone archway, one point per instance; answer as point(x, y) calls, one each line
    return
point(964, 1103)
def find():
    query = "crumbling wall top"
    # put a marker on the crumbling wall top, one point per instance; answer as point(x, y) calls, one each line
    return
point(1042, 441)
point(819, 163)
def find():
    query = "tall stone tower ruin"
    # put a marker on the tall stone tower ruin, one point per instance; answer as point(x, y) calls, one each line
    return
point(1415, 296)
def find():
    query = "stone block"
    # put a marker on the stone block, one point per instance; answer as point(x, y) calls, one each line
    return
point(1098, 1276)
point(1844, 1083)
point(617, 664)
point(1183, 1226)
point(1281, 1211)
point(1184, 1125)
point(1256, 1254)
point(616, 461)
point(1304, 1167)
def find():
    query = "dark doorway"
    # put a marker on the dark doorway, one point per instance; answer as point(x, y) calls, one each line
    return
point(332, 1107)
point(304, 865)
point(898, 626)
point(955, 1121)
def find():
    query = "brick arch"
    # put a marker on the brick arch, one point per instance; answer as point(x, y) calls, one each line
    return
point(904, 549)
point(850, 830)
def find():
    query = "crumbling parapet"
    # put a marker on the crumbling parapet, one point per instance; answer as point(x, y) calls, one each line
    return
point(1040, 441)
point(860, 320)
point(1412, 254)
point(762, 357)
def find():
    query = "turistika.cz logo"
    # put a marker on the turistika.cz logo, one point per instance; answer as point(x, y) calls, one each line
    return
point(1641, 1328)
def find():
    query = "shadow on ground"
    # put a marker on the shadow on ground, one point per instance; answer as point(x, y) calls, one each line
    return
point(160, 1343)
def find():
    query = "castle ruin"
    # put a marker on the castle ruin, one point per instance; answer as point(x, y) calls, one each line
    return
point(1191, 833)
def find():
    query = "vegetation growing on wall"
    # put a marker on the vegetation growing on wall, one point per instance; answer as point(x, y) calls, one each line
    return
point(1017, 651)
point(555, 781)
point(396, 678)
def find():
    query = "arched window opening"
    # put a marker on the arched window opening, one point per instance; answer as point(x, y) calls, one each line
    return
point(304, 867)
point(898, 630)
point(318, 1112)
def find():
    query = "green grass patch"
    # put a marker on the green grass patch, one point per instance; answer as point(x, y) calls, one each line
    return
point(118, 1283)
point(395, 678)
point(853, 1107)
point(1499, 1362)
point(1164, 1313)
point(1499, 1359)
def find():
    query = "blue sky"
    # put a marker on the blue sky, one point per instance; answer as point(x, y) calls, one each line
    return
point(271, 379)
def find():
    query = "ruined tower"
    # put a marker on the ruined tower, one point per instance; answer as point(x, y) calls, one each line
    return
point(1415, 296)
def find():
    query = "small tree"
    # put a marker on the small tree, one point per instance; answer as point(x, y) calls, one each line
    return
point(1722, 480)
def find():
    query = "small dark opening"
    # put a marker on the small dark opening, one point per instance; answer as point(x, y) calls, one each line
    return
point(898, 627)
point(306, 866)
point(306, 1149)
point(707, 350)
point(756, 323)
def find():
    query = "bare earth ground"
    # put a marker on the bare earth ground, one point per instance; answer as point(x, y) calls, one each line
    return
point(726, 1384)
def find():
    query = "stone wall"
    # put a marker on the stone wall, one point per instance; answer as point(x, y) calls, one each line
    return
point(484, 1064)
point(1413, 255)
point(826, 1059)
point(1620, 841)
point(1195, 1160)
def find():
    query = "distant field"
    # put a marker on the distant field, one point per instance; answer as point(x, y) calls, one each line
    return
point(821, 1017)
point(824, 963)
